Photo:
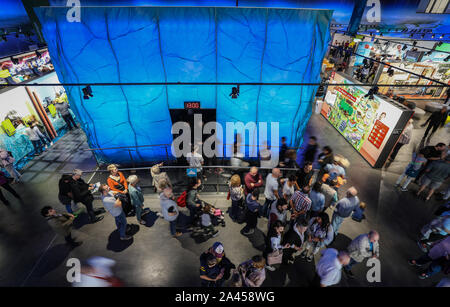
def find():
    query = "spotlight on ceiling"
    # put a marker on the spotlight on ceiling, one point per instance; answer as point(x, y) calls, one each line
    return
point(433, 36)
point(4, 37)
point(38, 54)
point(377, 41)
point(87, 92)
point(235, 92)
point(447, 59)
point(442, 36)
point(404, 47)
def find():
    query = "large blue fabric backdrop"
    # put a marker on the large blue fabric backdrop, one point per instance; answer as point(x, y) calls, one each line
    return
point(184, 44)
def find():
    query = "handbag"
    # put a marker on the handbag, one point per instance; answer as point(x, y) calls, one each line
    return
point(275, 257)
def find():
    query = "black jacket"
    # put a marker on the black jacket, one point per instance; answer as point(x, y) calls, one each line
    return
point(80, 190)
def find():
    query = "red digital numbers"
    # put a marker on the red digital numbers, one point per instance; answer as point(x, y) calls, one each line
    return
point(192, 105)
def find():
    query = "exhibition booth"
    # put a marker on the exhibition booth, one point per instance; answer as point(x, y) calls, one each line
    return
point(371, 124)
point(25, 67)
point(19, 105)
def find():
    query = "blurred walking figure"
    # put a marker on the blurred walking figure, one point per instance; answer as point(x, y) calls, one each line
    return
point(7, 161)
point(97, 272)
point(5, 185)
point(437, 119)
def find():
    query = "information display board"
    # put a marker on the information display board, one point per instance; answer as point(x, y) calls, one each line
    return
point(365, 123)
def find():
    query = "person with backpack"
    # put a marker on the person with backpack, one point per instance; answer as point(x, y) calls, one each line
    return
point(7, 161)
point(193, 202)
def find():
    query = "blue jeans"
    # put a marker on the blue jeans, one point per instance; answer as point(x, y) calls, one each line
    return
point(37, 146)
point(336, 222)
point(266, 208)
point(121, 223)
point(173, 227)
point(352, 262)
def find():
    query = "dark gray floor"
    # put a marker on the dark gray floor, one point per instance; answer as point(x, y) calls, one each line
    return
point(32, 255)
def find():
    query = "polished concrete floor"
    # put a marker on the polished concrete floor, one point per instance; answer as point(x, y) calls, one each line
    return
point(31, 255)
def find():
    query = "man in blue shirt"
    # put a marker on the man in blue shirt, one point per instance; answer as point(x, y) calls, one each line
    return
point(344, 208)
point(317, 199)
point(253, 208)
point(210, 273)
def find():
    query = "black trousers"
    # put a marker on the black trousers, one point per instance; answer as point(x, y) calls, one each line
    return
point(251, 219)
point(429, 127)
point(8, 188)
point(69, 239)
point(69, 121)
point(433, 238)
point(395, 150)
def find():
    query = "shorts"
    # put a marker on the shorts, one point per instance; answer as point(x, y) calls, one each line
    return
point(431, 184)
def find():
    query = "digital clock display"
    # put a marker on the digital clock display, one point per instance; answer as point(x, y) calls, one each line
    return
point(192, 104)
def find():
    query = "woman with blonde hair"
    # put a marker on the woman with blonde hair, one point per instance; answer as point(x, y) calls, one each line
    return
point(160, 180)
point(117, 183)
point(236, 193)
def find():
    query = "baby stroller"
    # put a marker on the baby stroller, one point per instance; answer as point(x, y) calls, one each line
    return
point(204, 222)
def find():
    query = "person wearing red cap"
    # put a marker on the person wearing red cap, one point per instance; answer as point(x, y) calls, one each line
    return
point(225, 265)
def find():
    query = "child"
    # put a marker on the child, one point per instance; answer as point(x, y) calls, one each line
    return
point(217, 216)
point(206, 221)
point(358, 215)
point(411, 171)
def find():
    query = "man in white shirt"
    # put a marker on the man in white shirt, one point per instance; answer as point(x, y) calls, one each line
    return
point(329, 267)
point(271, 191)
point(195, 159)
point(35, 136)
point(114, 206)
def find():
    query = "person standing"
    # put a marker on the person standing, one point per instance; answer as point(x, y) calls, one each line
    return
point(236, 192)
point(431, 153)
point(300, 203)
point(435, 174)
point(114, 206)
point(196, 160)
point(278, 212)
point(318, 230)
point(137, 198)
point(311, 150)
point(295, 237)
point(253, 180)
point(35, 136)
point(5, 185)
point(363, 246)
point(81, 192)
point(65, 195)
point(274, 238)
point(270, 191)
point(160, 180)
point(304, 175)
point(404, 139)
point(437, 119)
point(169, 210)
point(7, 161)
point(317, 199)
point(61, 223)
point(253, 207)
point(344, 208)
point(328, 269)
point(62, 108)
point(283, 149)
point(117, 183)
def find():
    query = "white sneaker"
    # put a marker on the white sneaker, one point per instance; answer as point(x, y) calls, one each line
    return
point(51, 143)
